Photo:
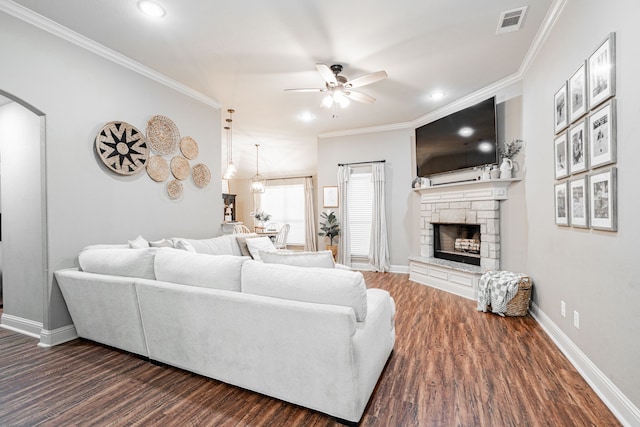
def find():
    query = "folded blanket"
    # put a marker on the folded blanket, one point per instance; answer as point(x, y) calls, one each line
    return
point(497, 288)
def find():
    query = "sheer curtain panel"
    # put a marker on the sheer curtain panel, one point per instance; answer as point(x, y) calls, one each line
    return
point(379, 246)
point(344, 244)
point(310, 222)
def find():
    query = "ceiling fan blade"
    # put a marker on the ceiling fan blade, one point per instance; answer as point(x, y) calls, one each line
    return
point(360, 97)
point(306, 90)
point(327, 74)
point(366, 79)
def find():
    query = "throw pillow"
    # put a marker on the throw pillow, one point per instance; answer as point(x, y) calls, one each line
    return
point(323, 259)
point(164, 243)
point(184, 245)
point(242, 242)
point(258, 244)
point(138, 243)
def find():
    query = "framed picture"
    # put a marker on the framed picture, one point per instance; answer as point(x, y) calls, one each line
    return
point(603, 200)
point(579, 214)
point(330, 197)
point(562, 168)
point(602, 135)
point(577, 147)
point(560, 109)
point(578, 94)
point(602, 72)
point(562, 207)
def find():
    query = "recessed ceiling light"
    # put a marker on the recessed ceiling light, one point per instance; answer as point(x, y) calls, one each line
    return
point(437, 95)
point(465, 131)
point(151, 8)
point(306, 116)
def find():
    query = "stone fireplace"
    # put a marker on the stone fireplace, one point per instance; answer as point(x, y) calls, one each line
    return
point(470, 214)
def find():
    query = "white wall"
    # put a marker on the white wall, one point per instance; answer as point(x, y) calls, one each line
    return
point(594, 272)
point(79, 92)
point(395, 147)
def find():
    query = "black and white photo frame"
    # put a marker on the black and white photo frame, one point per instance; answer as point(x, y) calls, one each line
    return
point(560, 112)
point(578, 147)
point(603, 199)
point(577, 93)
point(602, 135)
point(578, 208)
point(602, 72)
point(561, 205)
point(560, 156)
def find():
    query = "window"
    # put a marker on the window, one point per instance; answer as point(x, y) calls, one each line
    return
point(285, 204)
point(359, 211)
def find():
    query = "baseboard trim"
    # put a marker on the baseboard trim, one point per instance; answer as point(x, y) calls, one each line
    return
point(57, 336)
point(626, 412)
point(20, 325)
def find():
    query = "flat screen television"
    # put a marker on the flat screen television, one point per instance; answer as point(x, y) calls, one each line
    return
point(462, 140)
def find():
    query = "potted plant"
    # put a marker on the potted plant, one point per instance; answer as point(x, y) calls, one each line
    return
point(330, 228)
point(509, 150)
point(261, 217)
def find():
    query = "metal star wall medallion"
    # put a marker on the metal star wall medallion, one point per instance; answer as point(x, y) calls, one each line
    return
point(122, 148)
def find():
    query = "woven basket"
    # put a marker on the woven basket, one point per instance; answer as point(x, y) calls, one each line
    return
point(519, 304)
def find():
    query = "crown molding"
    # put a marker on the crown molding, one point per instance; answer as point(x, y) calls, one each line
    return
point(372, 129)
point(39, 21)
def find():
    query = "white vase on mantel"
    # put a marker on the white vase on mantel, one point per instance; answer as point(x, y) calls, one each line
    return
point(506, 169)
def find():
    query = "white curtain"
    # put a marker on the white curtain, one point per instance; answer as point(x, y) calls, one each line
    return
point(344, 241)
point(379, 246)
point(309, 217)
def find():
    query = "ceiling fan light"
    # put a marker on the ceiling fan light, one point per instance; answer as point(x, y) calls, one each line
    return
point(327, 102)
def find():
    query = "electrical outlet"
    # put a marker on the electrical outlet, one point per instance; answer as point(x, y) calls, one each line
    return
point(563, 309)
point(576, 319)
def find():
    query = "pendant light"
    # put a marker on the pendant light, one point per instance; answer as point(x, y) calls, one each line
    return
point(231, 168)
point(258, 183)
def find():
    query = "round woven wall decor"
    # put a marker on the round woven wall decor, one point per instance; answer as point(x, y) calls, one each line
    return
point(174, 189)
point(180, 167)
point(122, 148)
point(163, 135)
point(158, 168)
point(201, 175)
point(189, 147)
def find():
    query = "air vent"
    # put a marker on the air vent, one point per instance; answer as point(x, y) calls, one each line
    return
point(511, 20)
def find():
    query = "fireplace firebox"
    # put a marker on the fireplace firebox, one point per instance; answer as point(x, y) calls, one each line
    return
point(457, 242)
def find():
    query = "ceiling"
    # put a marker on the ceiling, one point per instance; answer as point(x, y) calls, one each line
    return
point(244, 53)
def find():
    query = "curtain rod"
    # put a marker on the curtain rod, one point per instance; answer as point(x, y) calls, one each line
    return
point(289, 177)
point(360, 163)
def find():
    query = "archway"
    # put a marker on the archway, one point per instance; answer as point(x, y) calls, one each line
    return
point(23, 208)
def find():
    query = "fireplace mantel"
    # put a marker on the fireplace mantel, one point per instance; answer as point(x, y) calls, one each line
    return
point(490, 189)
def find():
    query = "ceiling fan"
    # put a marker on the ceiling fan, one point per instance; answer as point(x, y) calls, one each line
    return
point(339, 89)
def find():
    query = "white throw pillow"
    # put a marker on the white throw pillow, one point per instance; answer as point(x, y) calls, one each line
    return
point(119, 262)
point(138, 243)
point(307, 284)
point(221, 245)
point(183, 245)
point(207, 271)
point(259, 244)
point(242, 242)
point(323, 259)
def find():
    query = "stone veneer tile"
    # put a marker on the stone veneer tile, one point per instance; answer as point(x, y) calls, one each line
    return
point(453, 216)
point(487, 214)
point(485, 205)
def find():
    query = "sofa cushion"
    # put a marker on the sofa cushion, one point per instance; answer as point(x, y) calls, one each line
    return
point(307, 284)
point(322, 259)
point(221, 245)
point(119, 262)
point(207, 271)
point(162, 243)
point(258, 244)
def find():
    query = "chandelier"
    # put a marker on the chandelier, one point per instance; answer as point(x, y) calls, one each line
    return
point(231, 168)
point(258, 183)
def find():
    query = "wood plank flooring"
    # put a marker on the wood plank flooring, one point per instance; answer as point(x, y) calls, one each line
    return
point(451, 366)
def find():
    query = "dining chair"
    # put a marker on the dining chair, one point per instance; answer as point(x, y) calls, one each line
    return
point(281, 238)
point(241, 229)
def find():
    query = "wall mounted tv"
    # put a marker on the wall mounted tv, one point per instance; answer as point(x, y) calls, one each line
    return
point(462, 140)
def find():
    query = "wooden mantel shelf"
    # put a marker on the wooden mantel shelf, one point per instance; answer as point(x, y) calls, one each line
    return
point(490, 189)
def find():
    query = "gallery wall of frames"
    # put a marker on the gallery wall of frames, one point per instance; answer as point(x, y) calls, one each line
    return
point(585, 143)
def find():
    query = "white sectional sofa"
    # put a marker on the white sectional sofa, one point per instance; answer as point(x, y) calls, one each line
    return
point(311, 336)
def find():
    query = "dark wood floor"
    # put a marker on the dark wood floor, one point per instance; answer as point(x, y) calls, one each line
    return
point(451, 366)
